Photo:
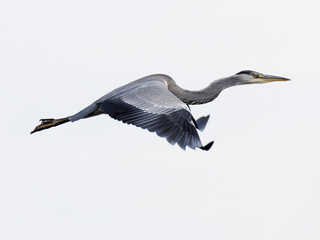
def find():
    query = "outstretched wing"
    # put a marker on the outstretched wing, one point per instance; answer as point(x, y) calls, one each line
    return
point(150, 105)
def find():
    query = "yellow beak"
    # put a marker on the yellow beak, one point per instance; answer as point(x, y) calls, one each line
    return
point(271, 78)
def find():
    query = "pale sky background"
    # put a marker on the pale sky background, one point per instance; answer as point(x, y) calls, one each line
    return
point(101, 179)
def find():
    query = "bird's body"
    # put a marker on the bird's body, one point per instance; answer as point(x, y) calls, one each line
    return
point(158, 104)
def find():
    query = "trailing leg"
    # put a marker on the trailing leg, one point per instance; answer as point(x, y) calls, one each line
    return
point(49, 122)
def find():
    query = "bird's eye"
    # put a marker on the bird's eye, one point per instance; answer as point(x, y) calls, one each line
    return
point(255, 75)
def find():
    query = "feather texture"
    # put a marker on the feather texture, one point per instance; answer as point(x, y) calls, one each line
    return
point(155, 108)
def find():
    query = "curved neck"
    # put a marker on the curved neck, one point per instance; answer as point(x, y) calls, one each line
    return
point(205, 95)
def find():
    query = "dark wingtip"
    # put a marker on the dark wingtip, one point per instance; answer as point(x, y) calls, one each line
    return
point(201, 123)
point(207, 147)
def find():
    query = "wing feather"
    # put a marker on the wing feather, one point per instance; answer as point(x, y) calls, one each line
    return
point(152, 106)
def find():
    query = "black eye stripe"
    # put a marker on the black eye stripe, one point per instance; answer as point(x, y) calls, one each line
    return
point(249, 72)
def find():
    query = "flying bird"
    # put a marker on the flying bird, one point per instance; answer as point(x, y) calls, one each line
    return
point(158, 104)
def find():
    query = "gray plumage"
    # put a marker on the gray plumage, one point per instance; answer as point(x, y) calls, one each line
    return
point(158, 104)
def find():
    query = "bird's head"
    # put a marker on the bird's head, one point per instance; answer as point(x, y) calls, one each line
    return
point(247, 77)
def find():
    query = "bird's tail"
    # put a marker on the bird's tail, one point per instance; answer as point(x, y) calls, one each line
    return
point(50, 122)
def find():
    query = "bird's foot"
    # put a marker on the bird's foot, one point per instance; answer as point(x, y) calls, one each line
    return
point(48, 123)
point(46, 120)
point(45, 123)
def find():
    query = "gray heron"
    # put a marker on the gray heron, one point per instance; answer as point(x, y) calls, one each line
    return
point(158, 104)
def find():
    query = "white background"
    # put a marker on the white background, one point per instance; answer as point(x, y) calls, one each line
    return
point(101, 179)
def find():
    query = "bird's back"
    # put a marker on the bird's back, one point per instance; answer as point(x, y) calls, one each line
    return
point(141, 82)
